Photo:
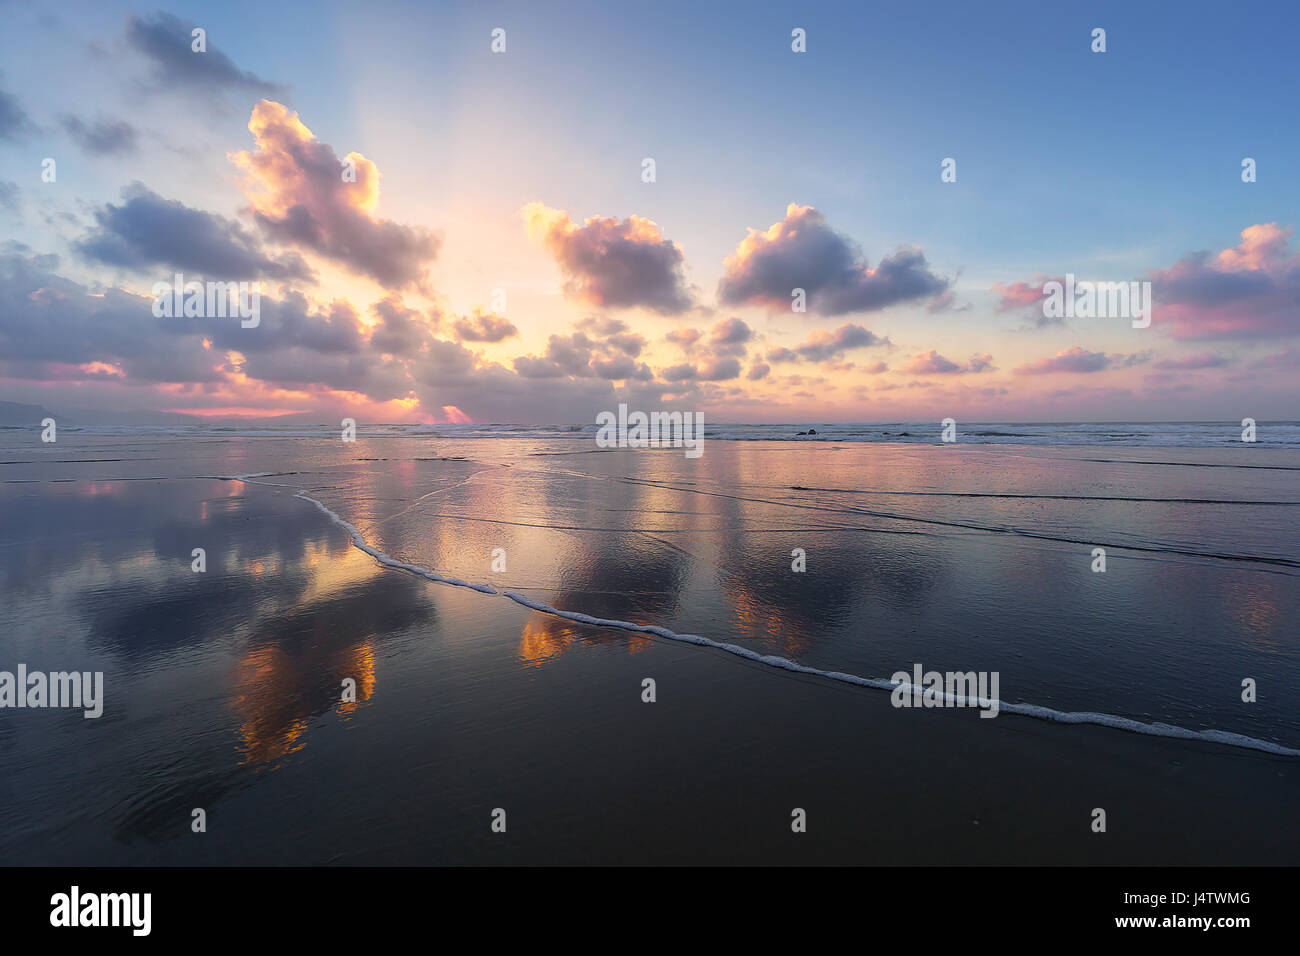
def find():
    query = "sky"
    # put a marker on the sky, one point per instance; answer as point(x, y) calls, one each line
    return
point(617, 203)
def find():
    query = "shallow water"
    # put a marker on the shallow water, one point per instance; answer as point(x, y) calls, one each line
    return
point(223, 687)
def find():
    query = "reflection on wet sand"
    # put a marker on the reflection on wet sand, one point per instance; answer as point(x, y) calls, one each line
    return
point(545, 637)
point(225, 688)
point(1253, 602)
point(617, 582)
point(293, 668)
point(273, 696)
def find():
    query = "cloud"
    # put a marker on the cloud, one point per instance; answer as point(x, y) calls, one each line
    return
point(685, 338)
point(946, 302)
point(1195, 361)
point(52, 328)
point(615, 334)
point(612, 263)
point(168, 44)
point(803, 252)
point(932, 363)
point(295, 184)
point(1251, 290)
point(602, 325)
point(399, 330)
point(1020, 295)
point(581, 356)
point(621, 368)
point(1076, 360)
point(481, 327)
point(711, 370)
point(147, 231)
point(759, 370)
point(102, 137)
point(1288, 359)
point(1027, 298)
point(9, 195)
point(56, 334)
point(630, 343)
point(719, 370)
point(565, 355)
point(13, 118)
point(730, 337)
point(50, 325)
point(530, 366)
point(821, 346)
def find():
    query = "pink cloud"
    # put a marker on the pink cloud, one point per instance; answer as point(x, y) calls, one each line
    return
point(300, 197)
point(1020, 295)
point(1076, 360)
point(1197, 360)
point(1251, 290)
point(932, 363)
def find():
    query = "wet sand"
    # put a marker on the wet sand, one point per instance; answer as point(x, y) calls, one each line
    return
point(223, 689)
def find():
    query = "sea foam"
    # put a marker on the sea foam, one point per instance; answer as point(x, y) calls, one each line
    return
point(1036, 711)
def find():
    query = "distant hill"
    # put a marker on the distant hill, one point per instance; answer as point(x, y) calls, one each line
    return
point(90, 416)
point(16, 413)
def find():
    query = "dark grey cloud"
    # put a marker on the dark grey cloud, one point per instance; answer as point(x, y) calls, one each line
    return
point(167, 42)
point(293, 323)
point(530, 366)
point(54, 331)
point(822, 346)
point(102, 137)
point(803, 252)
point(710, 370)
point(147, 232)
point(400, 331)
point(565, 355)
point(14, 122)
point(50, 324)
point(614, 263)
point(581, 356)
point(571, 353)
point(1199, 360)
point(730, 337)
point(617, 368)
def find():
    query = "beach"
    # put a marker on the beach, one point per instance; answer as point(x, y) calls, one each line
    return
point(499, 602)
